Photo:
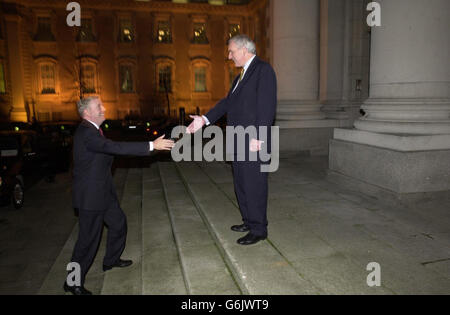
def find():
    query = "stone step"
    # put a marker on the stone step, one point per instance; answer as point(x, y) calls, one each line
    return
point(161, 269)
point(203, 266)
point(330, 240)
point(129, 280)
point(54, 280)
point(259, 269)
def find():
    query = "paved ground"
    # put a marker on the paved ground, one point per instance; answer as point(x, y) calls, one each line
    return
point(321, 237)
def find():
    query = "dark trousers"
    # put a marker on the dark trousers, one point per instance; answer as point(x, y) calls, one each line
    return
point(89, 236)
point(250, 186)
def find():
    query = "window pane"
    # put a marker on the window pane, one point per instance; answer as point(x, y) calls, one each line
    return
point(86, 34)
point(164, 34)
point(200, 79)
point(126, 31)
point(126, 79)
point(165, 79)
point(44, 30)
point(88, 78)
point(2, 80)
point(200, 33)
point(235, 29)
point(48, 79)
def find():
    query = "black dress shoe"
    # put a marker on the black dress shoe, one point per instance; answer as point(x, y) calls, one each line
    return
point(120, 263)
point(75, 290)
point(240, 228)
point(250, 239)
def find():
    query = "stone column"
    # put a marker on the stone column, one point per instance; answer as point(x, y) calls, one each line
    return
point(403, 141)
point(410, 70)
point(296, 58)
point(18, 111)
point(344, 60)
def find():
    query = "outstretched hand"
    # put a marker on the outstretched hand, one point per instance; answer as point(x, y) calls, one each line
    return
point(255, 145)
point(196, 124)
point(163, 144)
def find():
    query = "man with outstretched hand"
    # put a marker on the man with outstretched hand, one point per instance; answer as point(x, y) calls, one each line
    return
point(93, 191)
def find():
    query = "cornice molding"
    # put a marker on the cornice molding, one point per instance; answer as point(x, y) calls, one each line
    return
point(140, 6)
point(42, 57)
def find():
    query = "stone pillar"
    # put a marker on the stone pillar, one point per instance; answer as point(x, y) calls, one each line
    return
point(410, 70)
point(296, 56)
point(296, 59)
point(402, 144)
point(18, 111)
point(344, 59)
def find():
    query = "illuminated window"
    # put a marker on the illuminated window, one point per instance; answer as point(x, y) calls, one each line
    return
point(165, 79)
point(200, 79)
point(44, 30)
point(200, 34)
point(88, 78)
point(126, 78)
point(2, 80)
point(47, 78)
point(126, 33)
point(234, 29)
point(86, 34)
point(164, 34)
point(237, 1)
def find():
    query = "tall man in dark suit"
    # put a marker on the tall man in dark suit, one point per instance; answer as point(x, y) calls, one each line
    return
point(93, 191)
point(251, 101)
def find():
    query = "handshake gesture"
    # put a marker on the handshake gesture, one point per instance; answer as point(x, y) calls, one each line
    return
point(199, 122)
point(167, 144)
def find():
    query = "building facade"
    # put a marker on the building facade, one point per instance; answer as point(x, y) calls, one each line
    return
point(374, 98)
point(147, 58)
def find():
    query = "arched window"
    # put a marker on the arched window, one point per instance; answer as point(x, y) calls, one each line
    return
point(201, 77)
point(127, 76)
point(88, 76)
point(165, 73)
point(47, 71)
point(47, 75)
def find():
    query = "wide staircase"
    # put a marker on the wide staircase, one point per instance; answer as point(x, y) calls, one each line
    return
point(321, 238)
point(179, 238)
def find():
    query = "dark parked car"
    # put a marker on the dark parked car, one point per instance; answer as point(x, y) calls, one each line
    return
point(25, 158)
point(56, 139)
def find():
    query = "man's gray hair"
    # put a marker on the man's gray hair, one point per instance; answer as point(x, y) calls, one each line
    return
point(244, 41)
point(84, 103)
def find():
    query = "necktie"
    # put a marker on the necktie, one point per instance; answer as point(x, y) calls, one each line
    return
point(101, 132)
point(242, 75)
point(240, 79)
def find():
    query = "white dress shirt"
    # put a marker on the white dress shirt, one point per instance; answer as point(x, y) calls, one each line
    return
point(247, 64)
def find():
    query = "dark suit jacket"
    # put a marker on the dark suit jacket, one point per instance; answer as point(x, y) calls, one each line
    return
point(254, 101)
point(93, 187)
